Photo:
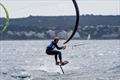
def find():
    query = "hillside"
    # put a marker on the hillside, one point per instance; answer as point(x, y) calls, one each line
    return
point(97, 26)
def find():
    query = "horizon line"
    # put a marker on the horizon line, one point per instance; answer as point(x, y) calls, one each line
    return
point(60, 15)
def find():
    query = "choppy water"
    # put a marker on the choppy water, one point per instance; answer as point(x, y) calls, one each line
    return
point(89, 60)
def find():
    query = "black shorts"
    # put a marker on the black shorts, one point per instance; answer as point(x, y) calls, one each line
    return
point(53, 52)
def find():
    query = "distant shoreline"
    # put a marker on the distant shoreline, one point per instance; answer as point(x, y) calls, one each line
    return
point(46, 27)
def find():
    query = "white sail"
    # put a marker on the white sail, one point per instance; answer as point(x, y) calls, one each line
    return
point(89, 37)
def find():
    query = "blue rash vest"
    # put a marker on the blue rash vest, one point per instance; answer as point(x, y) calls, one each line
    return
point(53, 45)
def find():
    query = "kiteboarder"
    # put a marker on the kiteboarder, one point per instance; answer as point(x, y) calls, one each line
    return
point(50, 50)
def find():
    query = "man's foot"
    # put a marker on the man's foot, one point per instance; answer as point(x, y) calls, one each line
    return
point(62, 63)
point(57, 63)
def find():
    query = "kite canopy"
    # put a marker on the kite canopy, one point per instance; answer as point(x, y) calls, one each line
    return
point(77, 21)
point(5, 25)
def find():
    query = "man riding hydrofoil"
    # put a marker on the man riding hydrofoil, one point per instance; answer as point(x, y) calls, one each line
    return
point(50, 50)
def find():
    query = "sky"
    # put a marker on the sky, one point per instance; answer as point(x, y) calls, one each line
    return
point(24, 8)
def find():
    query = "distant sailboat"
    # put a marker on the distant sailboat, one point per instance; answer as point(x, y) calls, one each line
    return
point(89, 37)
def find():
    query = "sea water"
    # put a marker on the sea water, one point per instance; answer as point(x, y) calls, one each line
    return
point(88, 60)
